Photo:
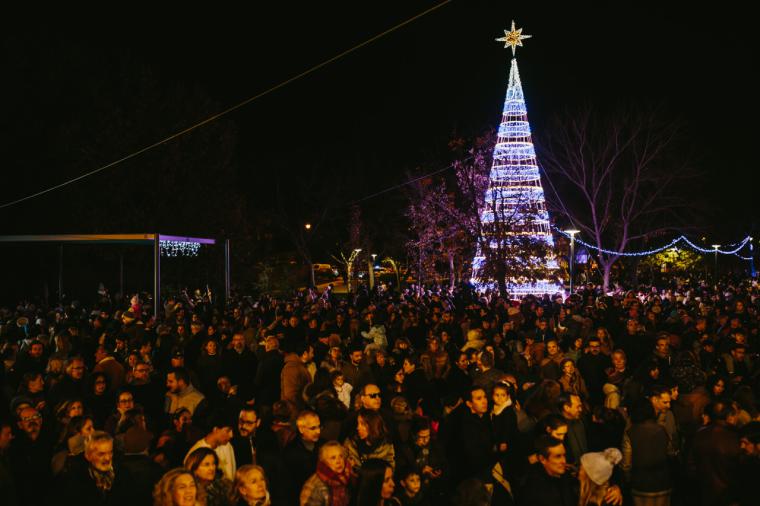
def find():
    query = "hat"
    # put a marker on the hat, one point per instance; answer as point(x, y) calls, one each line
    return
point(598, 465)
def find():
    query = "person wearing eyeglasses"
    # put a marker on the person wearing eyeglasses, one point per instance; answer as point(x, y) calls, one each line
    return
point(72, 384)
point(125, 401)
point(30, 455)
point(147, 393)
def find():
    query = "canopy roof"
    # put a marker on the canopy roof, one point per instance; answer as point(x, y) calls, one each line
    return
point(104, 238)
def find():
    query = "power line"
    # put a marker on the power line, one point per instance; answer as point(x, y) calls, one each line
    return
point(228, 110)
point(400, 185)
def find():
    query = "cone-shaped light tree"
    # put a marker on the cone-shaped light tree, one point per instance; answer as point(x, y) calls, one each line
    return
point(515, 245)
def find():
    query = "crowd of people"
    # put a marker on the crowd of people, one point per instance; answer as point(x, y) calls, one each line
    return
point(416, 397)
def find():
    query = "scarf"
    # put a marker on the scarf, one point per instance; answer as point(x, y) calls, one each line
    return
point(338, 483)
point(103, 480)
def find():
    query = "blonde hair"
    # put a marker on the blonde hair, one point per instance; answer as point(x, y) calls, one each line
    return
point(240, 475)
point(163, 491)
point(590, 492)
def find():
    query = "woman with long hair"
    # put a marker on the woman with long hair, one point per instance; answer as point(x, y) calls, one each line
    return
point(369, 440)
point(204, 464)
point(32, 386)
point(571, 380)
point(396, 386)
point(250, 487)
point(717, 387)
point(65, 411)
point(605, 339)
point(100, 401)
point(376, 484)
point(177, 487)
point(71, 441)
point(594, 476)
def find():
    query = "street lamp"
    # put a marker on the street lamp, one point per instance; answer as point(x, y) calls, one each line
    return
point(307, 226)
point(715, 273)
point(571, 262)
point(371, 264)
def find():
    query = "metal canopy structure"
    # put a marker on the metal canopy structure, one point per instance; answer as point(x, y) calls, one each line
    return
point(155, 240)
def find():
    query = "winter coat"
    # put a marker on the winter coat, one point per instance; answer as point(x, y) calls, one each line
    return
point(189, 398)
point(76, 486)
point(645, 457)
point(293, 379)
point(359, 452)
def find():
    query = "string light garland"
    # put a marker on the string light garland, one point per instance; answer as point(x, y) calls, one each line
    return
point(179, 248)
point(672, 244)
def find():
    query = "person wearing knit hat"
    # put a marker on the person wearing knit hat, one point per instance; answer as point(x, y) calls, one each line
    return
point(594, 475)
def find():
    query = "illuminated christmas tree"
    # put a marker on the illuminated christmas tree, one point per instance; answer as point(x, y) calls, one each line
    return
point(514, 220)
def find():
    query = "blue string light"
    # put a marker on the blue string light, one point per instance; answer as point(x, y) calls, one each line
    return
point(671, 244)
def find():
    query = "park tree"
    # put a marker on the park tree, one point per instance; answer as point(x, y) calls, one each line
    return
point(620, 176)
point(435, 222)
point(500, 219)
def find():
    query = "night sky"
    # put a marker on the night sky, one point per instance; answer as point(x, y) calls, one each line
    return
point(390, 106)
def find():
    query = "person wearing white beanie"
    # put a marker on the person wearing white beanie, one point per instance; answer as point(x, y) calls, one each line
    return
point(594, 475)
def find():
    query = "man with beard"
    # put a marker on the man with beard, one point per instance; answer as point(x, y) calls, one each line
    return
point(30, 454)
point(95, 481)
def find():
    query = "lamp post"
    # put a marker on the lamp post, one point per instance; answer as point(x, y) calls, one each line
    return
point(571, 260)
point(307, 227)
point(371, 264)
point(715, 272)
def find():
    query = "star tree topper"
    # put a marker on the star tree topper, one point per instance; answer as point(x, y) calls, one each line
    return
point(513, 38)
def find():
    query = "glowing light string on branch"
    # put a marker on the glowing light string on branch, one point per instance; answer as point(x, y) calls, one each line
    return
point(738, 247)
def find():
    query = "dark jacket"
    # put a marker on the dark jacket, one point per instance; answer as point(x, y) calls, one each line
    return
point(298, 463)
point(715, 462)
point(76, 486)
point(543, 490)
point(30, 465)
point(475, 447)
point(576, 441)
point(241, 368)
point(144, 474)
point(645, 451)
point(267, 382)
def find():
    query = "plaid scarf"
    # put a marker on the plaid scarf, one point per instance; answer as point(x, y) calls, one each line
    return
point(338, 483)
point(103, 480)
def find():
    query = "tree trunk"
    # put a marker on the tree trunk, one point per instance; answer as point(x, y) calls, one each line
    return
point(501, 278)
point(311, 273)
point(452, 273)
point(607, 266)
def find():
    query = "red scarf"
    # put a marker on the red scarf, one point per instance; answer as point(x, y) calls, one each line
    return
point(338, 483)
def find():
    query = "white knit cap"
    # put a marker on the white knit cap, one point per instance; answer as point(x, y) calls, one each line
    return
point(598, 465)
